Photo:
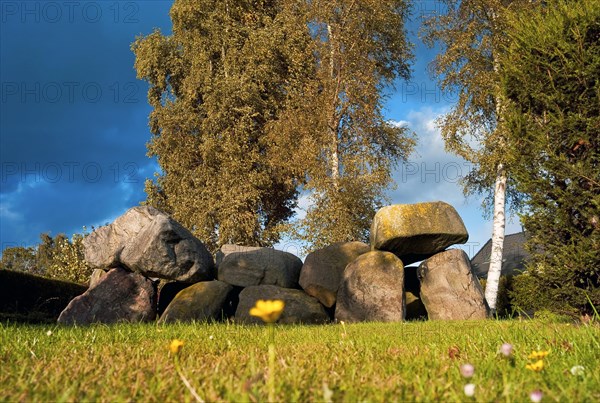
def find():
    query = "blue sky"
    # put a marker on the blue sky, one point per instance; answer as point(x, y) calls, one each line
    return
point(73, 121)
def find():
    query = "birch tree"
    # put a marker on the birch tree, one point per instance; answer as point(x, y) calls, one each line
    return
point(254, 100)
point(470, 34)
point(360, 49)
point(215, 85)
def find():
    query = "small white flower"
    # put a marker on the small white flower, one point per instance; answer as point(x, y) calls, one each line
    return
point(470, 389)
point(578, 370)
point(536, 396)
point(506, 349)
point(327, 393)
point(467, 370)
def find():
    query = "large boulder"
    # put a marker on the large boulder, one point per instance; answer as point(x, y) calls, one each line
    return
point(299, 307)
point(414, 232)
point(372, 289)
point(148, 241)
point(201, 302)
point(449, 288)
point(119, 296)
point(322, 271)
point(228, 249)
point(262, 266)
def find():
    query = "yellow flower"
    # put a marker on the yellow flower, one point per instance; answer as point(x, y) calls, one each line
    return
point(175, 346)
point(269, 311)
point(538, 355)
point(536, 366)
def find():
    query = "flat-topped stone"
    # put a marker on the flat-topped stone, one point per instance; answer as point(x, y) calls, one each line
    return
point(229, 248)
point(415, 232)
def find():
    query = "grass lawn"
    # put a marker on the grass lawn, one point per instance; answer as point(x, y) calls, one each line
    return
point(414, 361)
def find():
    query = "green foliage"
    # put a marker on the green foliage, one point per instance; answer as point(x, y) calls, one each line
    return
point(378, 362)
point(20, 258)
point(471, 33)
point(254, 100)
point(28, 298)
point(349, 149)
point(546, 316)
point(504, 303)
point(68, 262)
point(58, 258)
point(551, 86)
point(216, 84)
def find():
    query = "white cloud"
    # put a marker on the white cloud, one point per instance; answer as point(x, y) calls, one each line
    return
point(303, 204)
point(7, 211)
point(398, 123)
point(431, 173)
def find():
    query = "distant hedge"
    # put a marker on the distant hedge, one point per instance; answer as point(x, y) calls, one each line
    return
point(28, 298)
point(504, 305)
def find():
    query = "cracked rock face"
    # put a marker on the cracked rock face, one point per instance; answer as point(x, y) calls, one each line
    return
point(148, 241)
point(449, 289)
point(372, 289)
point(264, 266)
point(119, 296)
point(323, 269)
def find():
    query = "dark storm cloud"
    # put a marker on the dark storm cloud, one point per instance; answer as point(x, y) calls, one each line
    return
point(73, 115)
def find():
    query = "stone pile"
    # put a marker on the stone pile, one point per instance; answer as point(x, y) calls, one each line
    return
point(149, 266)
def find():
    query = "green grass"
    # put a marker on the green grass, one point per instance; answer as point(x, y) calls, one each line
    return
point(360, 362)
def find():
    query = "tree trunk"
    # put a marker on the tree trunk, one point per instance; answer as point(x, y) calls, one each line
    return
point(493, 276)
point(333, 122)
point(335, 160)
point(499, 219)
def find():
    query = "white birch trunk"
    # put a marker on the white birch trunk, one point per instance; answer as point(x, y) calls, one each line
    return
point(493, 276)
point(499, 219)
point(333, 133)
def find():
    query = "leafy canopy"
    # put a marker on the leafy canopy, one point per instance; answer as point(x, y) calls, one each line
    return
point(254, 100)
point(551, 87)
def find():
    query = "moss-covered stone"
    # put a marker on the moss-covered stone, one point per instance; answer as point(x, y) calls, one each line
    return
point(372, 289)
point(415, 232)
point(201, 302)
point(415, 309)
point(299, 306)
point(322, 271)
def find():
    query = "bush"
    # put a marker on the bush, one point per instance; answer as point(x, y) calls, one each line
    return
point(551, 97)
point(554, 289)
point(28, 298)
point(68, 262)
point(504, 306)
